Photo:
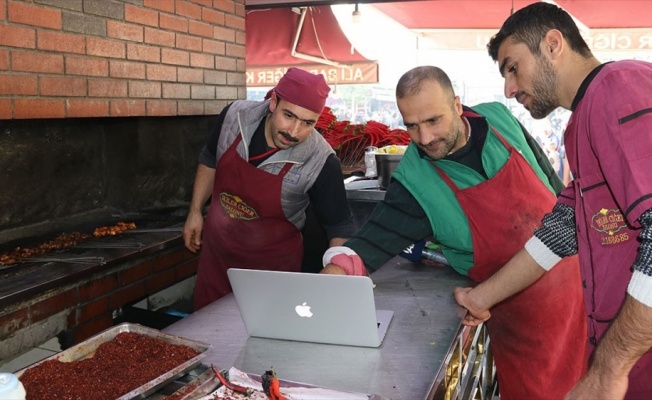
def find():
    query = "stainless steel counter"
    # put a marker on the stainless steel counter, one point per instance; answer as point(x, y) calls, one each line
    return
point(425, 325)
point(374, 195)
point(364, 190)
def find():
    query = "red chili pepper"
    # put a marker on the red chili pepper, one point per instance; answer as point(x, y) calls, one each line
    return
point(272, 386)
point(229, 385)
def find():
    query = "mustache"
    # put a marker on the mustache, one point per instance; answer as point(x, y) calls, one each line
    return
point(519, 96)
point(287, 137)
point(432, 143)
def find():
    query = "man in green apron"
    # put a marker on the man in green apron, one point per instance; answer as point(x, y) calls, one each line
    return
point(476, 183)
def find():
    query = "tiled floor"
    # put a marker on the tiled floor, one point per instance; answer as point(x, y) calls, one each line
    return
point(37, 354)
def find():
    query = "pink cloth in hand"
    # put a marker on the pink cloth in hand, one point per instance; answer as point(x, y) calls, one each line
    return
point(352, 264)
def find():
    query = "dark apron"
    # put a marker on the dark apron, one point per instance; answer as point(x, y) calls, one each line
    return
point(245, 227)
point(537, 335)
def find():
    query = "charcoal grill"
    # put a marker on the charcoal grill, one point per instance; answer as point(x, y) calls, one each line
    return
point(156, 230)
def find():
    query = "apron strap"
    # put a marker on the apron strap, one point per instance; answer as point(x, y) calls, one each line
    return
point(285, 169)
point(473, 114)
point(286, 166)
point(500, 137)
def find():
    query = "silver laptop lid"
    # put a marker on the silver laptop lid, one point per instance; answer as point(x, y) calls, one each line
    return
point(319, 308)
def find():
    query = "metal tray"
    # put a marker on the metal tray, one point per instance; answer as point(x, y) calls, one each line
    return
point(87, 348)
point(255, 382)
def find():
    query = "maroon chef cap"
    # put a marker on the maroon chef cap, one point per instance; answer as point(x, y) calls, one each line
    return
point(303, 89)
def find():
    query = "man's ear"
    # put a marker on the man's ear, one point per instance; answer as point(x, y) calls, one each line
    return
point(458, 105)
point(273, 102)
point(553, 44)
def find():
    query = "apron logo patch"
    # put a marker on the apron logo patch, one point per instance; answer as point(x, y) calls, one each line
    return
point(610, 222)
point(236, 208)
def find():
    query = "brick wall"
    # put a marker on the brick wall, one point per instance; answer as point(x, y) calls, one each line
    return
point(85, 308)
point(99, 58)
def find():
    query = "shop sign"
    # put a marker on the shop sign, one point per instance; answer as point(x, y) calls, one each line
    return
point(620, 39)
point(351, 73)
point(597, 39)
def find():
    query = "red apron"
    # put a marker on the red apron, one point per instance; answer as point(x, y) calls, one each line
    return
point(245, 227)
point(537, 335)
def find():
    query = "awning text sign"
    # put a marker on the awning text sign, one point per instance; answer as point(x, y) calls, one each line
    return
point(353, 73)
point(597, 39)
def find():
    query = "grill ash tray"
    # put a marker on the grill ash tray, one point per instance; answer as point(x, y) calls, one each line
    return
point(88, 347)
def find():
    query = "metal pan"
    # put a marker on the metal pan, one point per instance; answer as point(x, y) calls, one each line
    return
point(87, 348)
point(298, 390)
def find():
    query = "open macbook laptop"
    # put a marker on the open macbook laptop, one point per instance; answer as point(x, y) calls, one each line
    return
point(318, 308)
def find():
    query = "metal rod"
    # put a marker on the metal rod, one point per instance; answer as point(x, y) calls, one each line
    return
point(155, 230)
point(69, 260)
point(434, 255)
point(110, 245)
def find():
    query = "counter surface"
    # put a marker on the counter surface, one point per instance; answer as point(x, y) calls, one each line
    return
point(426, 320)
point(364, 190)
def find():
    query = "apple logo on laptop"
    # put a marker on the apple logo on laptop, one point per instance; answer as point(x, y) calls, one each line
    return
point(303, 310)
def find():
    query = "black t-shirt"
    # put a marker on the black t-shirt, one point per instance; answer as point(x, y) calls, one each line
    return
point(471, 153)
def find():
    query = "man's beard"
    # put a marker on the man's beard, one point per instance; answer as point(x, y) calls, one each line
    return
point(447, 143)
point(544, 99)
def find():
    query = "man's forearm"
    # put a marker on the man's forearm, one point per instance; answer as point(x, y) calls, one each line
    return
point(520, 272)
point(336, 242)
point(627, 339)
point(202, 188)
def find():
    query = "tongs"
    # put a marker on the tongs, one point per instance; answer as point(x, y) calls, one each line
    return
point(200, 387)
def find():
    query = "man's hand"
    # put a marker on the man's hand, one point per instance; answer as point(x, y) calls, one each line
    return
point(477, 314)
point(333, 269)
point(201, 192)
point(192, 231)
point(519, 272)
point(625, 341)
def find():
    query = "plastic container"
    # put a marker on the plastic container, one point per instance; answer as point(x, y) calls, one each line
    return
point(10, 387)
point(370, 162)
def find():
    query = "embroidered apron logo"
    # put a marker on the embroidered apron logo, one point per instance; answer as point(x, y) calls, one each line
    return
point(236, 208)
point(610, 222)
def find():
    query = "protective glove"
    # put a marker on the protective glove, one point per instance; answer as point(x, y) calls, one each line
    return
point(352, 265)
point(346, 258)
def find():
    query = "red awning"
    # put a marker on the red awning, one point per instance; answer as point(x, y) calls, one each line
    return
point(271, 34)
point(490, 14)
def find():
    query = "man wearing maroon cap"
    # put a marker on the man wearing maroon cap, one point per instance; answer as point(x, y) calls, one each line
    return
point(263, 164)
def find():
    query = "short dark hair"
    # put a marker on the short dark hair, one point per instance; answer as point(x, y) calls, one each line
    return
point(410, 82)
point(530, 24)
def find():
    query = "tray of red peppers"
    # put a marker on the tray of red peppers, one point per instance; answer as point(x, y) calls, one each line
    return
point(349, 140)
